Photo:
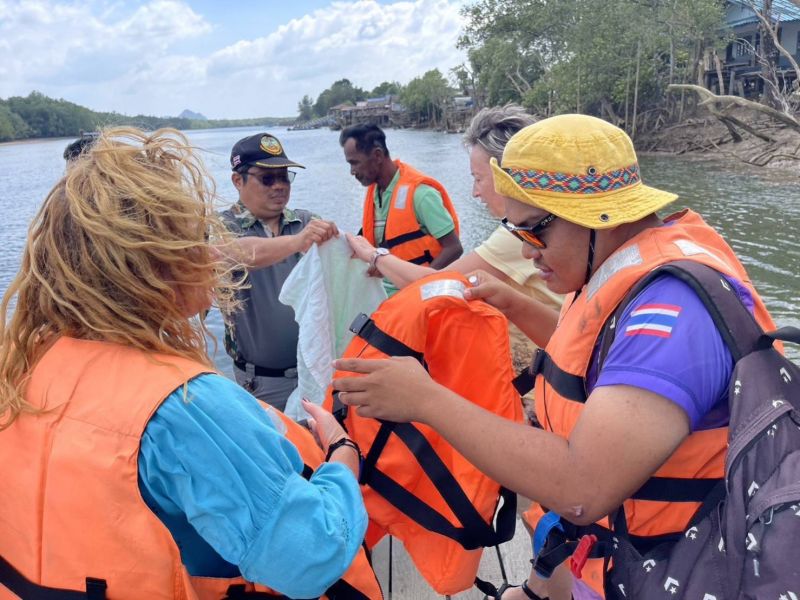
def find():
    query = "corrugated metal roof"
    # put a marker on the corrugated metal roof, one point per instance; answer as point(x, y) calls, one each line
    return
point(783, 10)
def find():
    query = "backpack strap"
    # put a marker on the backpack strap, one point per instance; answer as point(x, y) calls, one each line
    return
point(475, 532)
point(738, 328)
point(741, 334)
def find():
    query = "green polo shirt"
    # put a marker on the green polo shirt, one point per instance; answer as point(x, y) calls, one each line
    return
point(432, 216)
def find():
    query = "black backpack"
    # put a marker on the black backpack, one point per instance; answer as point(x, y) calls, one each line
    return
point(744, 541)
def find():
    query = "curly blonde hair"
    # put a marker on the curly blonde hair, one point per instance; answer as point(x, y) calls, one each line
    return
point(118, 252)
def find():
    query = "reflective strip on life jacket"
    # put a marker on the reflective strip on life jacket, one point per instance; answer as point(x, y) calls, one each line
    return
point(403, 234)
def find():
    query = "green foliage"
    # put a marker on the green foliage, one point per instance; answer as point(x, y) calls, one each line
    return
point(36, 115)
point(305, 109)
point(12, 126)
point(426, 97)
point(386, 88)
point(341, 91)
point(583, 55)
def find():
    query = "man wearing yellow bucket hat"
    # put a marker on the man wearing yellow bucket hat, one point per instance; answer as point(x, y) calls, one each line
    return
point(630, 390)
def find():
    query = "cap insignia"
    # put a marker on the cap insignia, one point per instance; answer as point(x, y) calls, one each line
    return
point(271, 145)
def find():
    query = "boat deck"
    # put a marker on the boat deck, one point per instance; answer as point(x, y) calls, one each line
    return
point(407, 584)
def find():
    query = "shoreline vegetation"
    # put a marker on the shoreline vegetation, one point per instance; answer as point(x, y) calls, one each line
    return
point(687, 77)
point(699, 136)
point(37, 116)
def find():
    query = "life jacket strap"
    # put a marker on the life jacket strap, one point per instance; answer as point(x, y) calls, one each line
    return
point(475, 532)
point(366, 329)
point(524, 381)
point(402, 239)
point(239, 591)
point(425, 258)
point(18, 584)
point(676, 489)
point(572, 387)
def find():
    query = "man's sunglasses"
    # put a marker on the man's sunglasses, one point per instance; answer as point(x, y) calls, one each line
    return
point(270, 179)
point(530, 235)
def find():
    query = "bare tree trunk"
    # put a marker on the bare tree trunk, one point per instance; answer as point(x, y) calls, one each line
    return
point(712, 101)
point(718, 66)
point(627, 93)
point(698, 72)
point(767, 52)
point(636, 88)
point(774, 35)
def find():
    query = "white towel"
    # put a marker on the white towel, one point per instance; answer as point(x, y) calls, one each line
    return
point(327, 290)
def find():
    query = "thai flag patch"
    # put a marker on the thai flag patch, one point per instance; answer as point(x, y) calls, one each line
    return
point(653, 319)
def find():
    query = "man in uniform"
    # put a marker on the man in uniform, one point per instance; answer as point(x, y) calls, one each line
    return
point(261, 337)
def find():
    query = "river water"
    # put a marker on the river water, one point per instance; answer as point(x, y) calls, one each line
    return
point(757, 212)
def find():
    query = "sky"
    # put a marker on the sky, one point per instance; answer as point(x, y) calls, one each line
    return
point(223, 59)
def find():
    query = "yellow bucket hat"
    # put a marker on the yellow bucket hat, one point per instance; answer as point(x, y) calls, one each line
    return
point(581, 169)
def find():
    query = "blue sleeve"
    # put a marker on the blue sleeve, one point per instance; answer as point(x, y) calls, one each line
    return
point(667, 343)
point(218, 458)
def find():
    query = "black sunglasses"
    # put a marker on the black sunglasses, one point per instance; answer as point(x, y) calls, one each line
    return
point(270, 179)
point(530, 235)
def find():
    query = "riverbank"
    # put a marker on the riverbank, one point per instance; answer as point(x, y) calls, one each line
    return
point(777, 150)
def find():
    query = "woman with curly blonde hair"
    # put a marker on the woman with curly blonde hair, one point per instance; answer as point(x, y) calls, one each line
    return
point(129, 466)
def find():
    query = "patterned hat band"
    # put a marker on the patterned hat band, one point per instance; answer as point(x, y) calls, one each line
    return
point(568, 183)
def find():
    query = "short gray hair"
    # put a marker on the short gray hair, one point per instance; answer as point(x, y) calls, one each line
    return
point(492, 127)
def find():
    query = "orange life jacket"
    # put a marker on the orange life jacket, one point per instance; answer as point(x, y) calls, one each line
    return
point(415, 485)
point(666, 503)
point(71, 514)
point(403, 235)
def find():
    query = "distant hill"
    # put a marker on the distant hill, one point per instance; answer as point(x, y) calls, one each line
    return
point(188, 114)
point(37, 116)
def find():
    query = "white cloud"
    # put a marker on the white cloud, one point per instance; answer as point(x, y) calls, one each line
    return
point(50, 44)
point(110, 59)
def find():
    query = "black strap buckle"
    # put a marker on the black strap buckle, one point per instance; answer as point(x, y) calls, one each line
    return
point(96, 588)
point(537, 362)
point(358, 323)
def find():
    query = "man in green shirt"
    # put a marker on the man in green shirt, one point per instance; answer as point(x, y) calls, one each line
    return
point(405, 211)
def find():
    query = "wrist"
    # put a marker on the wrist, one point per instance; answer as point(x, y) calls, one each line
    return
point(376, 254)
point(296, 243)
point(429, 405)
point(344, 442)
point(356, 460)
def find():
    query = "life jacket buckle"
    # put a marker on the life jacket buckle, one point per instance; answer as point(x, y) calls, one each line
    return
point(581, 554)
point(358, 323)
point(537, 362)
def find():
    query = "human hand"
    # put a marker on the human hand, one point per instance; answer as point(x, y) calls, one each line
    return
point(315, 232)
point(488, 288)
point(323, 425)
point(361, 248)
point(395, 389)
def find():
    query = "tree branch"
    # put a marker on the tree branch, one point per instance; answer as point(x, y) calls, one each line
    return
point(728, 101)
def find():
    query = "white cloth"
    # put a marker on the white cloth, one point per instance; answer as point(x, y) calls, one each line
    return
point(327, 290)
